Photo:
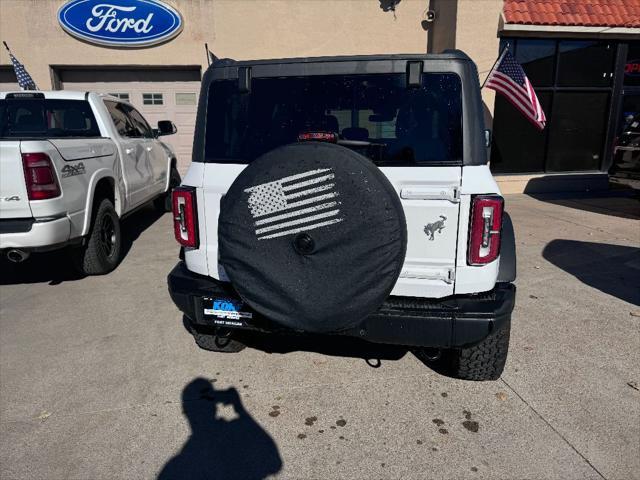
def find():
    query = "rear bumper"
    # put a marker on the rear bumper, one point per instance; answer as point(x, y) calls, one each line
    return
point(40, 236)
point(450, 322)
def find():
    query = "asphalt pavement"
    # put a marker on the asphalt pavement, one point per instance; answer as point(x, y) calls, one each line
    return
point(99, 378)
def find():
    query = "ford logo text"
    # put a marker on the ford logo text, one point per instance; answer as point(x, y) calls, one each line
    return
point(121, 23)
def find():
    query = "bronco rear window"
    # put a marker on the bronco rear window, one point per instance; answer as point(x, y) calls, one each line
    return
point(376, 115)
point(46, 118)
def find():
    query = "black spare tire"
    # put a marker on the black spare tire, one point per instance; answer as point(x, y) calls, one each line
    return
point(312, 236)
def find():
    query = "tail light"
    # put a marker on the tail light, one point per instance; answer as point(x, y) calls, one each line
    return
point(330, 137)
point(485, 229)
point(39, 176)
point(185, 216)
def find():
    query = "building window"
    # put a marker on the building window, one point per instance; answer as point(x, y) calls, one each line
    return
point(121, 96)
point(632, 66)
point(185, 98)
point(152, 99)
point(537, 58)
point(574, 83)
point(585, 64)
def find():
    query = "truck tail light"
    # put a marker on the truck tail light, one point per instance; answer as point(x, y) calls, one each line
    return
point(39, 176)
point(330, 137)
point(185, 216)
point(485, 229)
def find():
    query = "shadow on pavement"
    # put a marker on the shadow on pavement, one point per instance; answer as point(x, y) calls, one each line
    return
point(620, 203)
point(55, 267)
point(612, 269)
point(332, 345)
point(220, 448)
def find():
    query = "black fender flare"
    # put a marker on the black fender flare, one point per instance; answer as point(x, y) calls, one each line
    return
point(507, 270)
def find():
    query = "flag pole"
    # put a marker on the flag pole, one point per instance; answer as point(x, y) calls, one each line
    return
point(206, 47)
point(506, 47)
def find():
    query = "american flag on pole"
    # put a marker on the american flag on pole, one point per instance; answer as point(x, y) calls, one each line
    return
point(508, 78)
point(293, 204)
point(24, 79)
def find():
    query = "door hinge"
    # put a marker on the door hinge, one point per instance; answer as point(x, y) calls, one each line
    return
point(447, 276)
point(451, 194)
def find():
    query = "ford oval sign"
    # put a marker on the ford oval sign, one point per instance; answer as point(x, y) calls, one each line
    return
point(120, 23)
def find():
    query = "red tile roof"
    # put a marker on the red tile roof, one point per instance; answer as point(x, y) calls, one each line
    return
point(585, 13)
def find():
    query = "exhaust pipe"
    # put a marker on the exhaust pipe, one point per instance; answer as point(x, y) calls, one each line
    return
point(17, 256)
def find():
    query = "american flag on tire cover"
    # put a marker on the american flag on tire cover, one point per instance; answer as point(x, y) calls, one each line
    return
point(293, 204)
point(508, 78)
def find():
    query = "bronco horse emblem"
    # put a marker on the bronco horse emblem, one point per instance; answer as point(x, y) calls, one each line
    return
point(431, 228)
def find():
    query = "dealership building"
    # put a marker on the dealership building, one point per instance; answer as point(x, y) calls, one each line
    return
point(582, 57)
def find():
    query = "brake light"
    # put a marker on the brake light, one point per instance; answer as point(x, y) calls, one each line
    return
point(185, 216)
point(485, 229)
point(39, 176)
point(330, 137)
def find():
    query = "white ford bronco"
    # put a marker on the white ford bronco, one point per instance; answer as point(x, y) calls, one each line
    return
point(347, 196)
point(72, 164)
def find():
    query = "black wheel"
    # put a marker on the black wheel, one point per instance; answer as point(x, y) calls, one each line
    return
point(484, 361)
point(103, 250)
point(163, 202)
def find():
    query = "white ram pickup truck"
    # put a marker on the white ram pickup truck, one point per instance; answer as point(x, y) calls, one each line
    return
point(72, 164)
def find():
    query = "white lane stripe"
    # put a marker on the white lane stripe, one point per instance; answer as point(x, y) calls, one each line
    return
point(297, 213)
point(306, 183)
point(312, 218)
point(302, 229)
point(309, 191)
point(306, 201)
point(291, 178)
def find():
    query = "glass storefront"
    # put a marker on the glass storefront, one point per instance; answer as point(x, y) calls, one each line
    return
point(575, 83)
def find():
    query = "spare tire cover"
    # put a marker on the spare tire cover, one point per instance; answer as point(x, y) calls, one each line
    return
point(312, 236)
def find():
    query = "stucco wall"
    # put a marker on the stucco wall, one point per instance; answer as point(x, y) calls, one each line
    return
point(477, 35)
point(241, 29)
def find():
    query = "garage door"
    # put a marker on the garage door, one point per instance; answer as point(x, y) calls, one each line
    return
point(159, 94)
point(8, 80)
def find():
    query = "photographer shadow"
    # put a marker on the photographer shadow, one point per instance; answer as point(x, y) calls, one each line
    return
point(219, 448)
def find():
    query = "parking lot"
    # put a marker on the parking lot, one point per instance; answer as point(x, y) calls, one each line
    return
point(99, 378)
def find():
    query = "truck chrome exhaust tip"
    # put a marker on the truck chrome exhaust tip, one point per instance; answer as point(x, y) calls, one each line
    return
point(17, 256)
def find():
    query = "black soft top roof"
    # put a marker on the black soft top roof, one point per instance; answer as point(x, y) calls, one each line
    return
point(450, 61)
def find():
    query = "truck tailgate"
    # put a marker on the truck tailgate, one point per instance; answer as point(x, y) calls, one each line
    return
point(14, 202)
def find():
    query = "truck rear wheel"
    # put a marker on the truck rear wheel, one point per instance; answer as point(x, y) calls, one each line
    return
point(484, 361)
point(103, 250)
point(481, 362)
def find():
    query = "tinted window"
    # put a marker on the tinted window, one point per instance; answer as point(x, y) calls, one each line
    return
point(376, 115)
point(518, 146)
point(585, 64)
point(537, 58)
point(577, 131)
point(139, 122)
point(124, 124)
point(632, 66)
point(42, 118)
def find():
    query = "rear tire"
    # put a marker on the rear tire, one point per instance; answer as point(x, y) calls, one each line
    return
point(484, 361)
point(163, 202)
point(103, 250)
point(481, 362)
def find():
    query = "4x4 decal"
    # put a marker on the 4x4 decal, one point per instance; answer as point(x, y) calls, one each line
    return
point(310, 197)
point(70, 170)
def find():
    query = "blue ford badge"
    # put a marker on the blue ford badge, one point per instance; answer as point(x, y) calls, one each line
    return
point(122, 23)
